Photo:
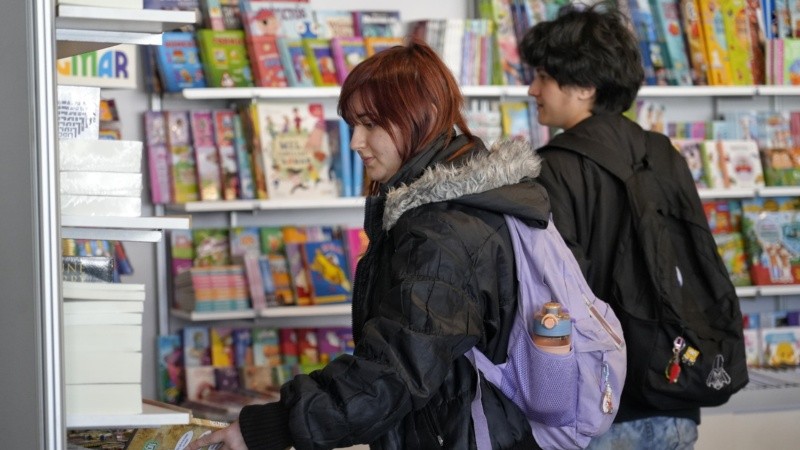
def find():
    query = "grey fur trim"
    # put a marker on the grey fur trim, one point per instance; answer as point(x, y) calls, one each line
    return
point(508, 162)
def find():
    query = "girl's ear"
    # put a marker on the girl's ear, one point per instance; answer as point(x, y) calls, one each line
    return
point(586, 93)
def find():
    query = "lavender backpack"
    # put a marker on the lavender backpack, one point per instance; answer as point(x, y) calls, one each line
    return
point(568, 398)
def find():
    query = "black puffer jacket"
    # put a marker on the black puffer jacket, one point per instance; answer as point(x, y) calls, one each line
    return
point(438, 278)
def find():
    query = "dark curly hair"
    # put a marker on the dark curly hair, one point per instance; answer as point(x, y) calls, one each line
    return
point(589, 47)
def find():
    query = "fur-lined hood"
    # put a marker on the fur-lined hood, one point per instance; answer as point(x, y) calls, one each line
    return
point(494, 180)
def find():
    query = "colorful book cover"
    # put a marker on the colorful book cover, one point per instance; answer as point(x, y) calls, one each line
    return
point(271, 240)
point(249, 120)
point(242, 347)
point(287, 338)
point(752, 346)
point(244, 158)
point(158, 156)
point(170, 368)
point(266, 61)
point(224, 56)
point(692, 152)
point(355, 244)
point(226, 379)
point(224, 137)
point(715, 179)
point(181, 249)
point(791, 62)
point(320, 61)
point(245, 240)
point(652, 57)
point(178, 61)
point(294, 149)
point(254, 277)
point(206, 155)
point(695, 41)
point(370, 23)
point(267, 280)
point(211, 247)
point(183, 174)
point(670, 30)
point(507, 66)
point(718, 214)
point(296, 66)
point(327, 272)
point(307, 346)
point(266, 347)
point(347, 52)
point(737, 35)
point(374, 44)
point(515, 120)
point(333, 23)
point(294, 17)
point(741, 163)
point(329, 344)
point(301, 287)
point(771, 238)
point(731, 249)
point(222, 353)
point(341, 155)
point(196, 346)
point(719, 67)
point(282, 279)
point(781, 346)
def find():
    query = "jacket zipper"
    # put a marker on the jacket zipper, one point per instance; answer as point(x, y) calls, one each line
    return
point(429, 417)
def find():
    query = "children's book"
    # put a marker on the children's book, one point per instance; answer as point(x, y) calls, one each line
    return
point(741, 163)
point(334, 23)
point(692, 152)
point(196, 346)
point(244, 159)
point(181, 251)
point(731, 249)
point(666, 14)
point(183, 175)
point(294, 147)
point(370, 23)
point(224, 137)
point(326, 265)
point(178, 61)
point(266, 347)
point(347, 52)
point(773, 248)
point(170, 368)
point(375, 44)
point(320, 61)
point(224, 56)
point(515, 121)
point(341, 155)
point(293, 240)
point(211, 247)
point(719, 67)
point(715, 179)
point(781, 346)
point(355, 244)
point(695, 41)
point(158, 156)
point(295, 63)
point(222, 353)
point(266, 61)
point(206, 155)
point(737, 35)
point(506, 66)
point(291, 19)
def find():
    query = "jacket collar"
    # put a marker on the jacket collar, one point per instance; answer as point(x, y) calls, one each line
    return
point(479, 172)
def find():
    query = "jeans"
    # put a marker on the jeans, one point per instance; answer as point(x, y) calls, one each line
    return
point(653, 433)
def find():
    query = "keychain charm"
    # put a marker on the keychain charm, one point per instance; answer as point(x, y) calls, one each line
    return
point(673, 370)
point(608, 393)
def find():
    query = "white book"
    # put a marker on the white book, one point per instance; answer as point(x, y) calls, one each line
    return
point(101, 306)
point(82, 367)
point(100, 154)
point(123, 338)
point(100, 318)
point(95, 399)
point(102, 291)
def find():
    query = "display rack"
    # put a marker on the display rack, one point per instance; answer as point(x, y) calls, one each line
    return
point(81, 29)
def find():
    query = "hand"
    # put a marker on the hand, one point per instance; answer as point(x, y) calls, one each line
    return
point(230, 438)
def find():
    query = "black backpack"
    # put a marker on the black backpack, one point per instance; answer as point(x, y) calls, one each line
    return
point(678, 308)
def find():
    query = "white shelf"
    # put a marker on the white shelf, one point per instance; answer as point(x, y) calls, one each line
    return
point(153, 415)
point(768, 291)
point(268, 205)
point(137, 229)
point(261, 92)
point(769, 191)
point(80, 29)
point(489, 91)
point(280, 316)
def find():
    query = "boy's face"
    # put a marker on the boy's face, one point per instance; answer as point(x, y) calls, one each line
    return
point(560, 107)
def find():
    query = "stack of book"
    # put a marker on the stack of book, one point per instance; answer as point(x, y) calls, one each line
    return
point(97, 177)
point(103, 347)
point(212, 288)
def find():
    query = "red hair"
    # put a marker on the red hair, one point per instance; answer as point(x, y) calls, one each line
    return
point(406, 90)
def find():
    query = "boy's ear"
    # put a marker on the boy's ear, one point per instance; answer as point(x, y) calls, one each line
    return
point(586, 93)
